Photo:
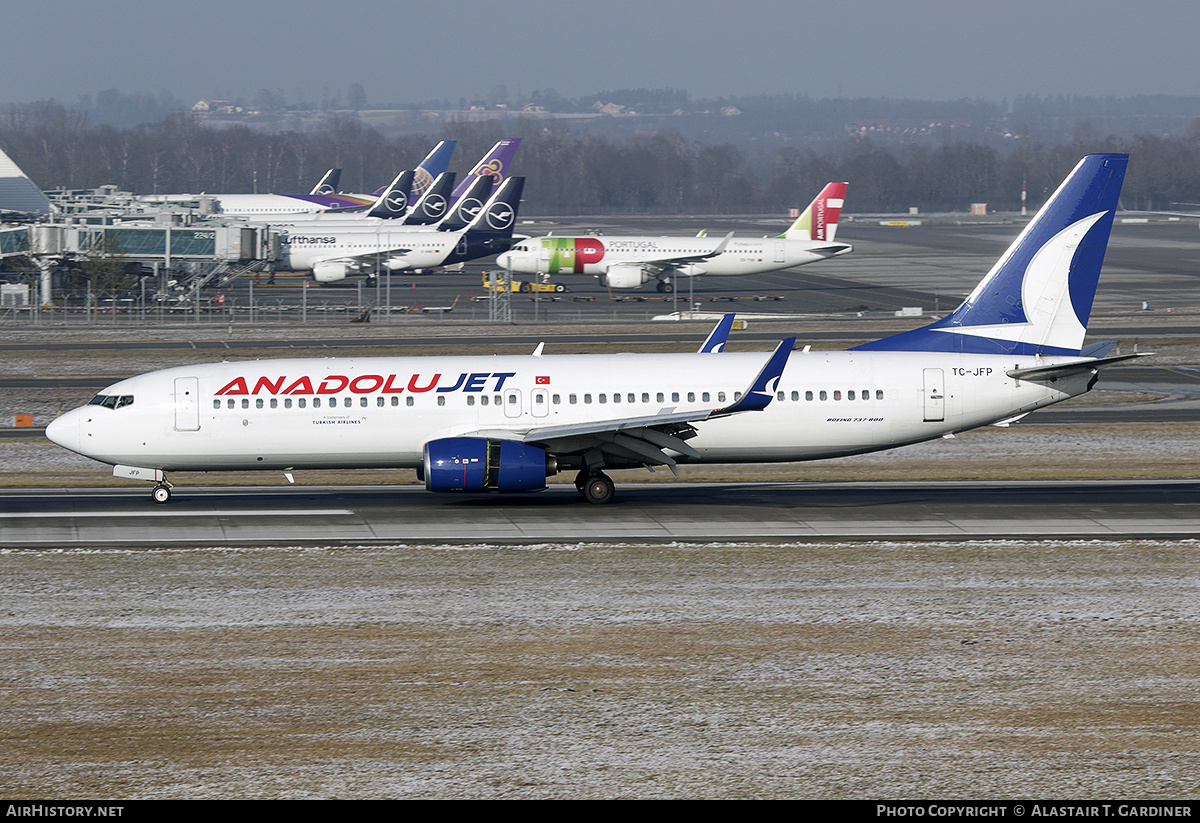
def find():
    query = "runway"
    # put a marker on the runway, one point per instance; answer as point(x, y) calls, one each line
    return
point(725, 512)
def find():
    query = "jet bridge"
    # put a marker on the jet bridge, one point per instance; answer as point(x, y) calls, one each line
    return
point(199, 253)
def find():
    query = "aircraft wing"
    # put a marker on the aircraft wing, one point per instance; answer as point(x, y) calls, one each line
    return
point(645, 438)
point(661, 264)
point(365, 257)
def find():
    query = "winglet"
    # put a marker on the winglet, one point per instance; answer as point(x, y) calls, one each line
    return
point(762, 390)
point(715, 343)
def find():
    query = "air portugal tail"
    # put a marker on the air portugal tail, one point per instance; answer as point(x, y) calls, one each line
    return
point(820, 220)
point(1038, 297)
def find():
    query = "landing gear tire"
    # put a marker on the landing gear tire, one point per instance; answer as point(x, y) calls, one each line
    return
point(161, 494)
point(581, 480)
point(665, 286)
point(599, 489)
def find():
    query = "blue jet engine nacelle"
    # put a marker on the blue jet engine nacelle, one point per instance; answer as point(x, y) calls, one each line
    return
point(478, 464)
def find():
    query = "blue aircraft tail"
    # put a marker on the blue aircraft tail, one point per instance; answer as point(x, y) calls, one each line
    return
point(434, 164)
point(1038, 296)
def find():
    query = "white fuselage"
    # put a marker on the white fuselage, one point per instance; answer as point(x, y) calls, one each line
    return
point(266, 206)
point(596, 255)
point(380, 412)
point(305, 246)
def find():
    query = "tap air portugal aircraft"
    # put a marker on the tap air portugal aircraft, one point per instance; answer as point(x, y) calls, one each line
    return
point(630, 262)
point(476, 227)
point(505, 424)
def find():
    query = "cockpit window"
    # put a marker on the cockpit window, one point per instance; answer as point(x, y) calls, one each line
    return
point(112, 401)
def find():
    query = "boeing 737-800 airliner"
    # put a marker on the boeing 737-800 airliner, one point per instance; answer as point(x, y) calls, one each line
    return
point(505, 424)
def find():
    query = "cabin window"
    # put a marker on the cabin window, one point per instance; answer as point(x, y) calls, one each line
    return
point(230, 403)
point(616, 397)
point(587, 399)
point(362, 401)
point(512, 398)
point(346, 401)
point(674, 397)
point(850, 394)
point(287, 402)
point(604, 398)
point(470, 400)
point(630, 397)
point(274, 402)
point(824, 395)
point(808, 395)
point(691, 397)
point(704, 397)
point(496, 400)
point(258, 403)
point(395, 401)
point(539, 399)
point(866, 394)
point(720, 397)
point(572, 399)
point(737, 395)
point(661, 397)
point(302, 402)
point(441, 399)
point(779, 395)
point(556, 400)
point(408, 401)
point(379, 401)
point(245, 402)
point(879, 394)
point(645, 397)
point(837, 395)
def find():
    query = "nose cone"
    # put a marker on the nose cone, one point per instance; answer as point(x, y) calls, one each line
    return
point(64, 430)
point(505, 259)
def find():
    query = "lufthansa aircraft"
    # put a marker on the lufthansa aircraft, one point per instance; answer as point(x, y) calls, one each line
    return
point(322, 198)
point(505, 424)
point(630, 262)
point(471, 230)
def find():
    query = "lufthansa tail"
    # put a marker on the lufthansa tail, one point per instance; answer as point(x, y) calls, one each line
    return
point(1037, 299)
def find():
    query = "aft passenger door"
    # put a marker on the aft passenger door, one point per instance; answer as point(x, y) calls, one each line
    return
point(935, 396)
point(187, 404)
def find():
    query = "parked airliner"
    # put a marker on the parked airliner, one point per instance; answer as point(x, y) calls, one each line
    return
point(321, 199)
point(630, 262)
point(471, 230)
point(506, 423)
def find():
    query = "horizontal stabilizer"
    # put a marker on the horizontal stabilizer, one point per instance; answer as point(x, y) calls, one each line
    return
point(1072, 367)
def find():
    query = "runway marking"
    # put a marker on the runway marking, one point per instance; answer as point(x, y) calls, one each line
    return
point(218, 513)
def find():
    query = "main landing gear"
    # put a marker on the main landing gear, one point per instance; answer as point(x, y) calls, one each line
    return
point(162, 492)
point(595, 487)
point(665, 286)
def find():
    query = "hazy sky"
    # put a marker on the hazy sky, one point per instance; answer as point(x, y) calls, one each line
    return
point(412, 51)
